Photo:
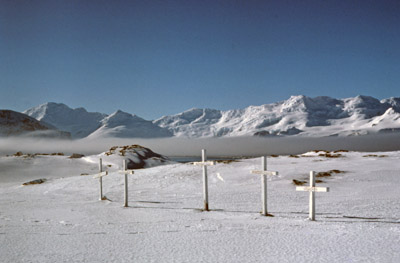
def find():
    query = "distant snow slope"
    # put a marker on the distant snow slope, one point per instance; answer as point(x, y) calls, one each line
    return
point(14, 124)
point(125, 125)
point(320, 116)
point(78, 122)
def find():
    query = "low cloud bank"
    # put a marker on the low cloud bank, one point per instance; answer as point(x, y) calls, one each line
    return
point(239, 146)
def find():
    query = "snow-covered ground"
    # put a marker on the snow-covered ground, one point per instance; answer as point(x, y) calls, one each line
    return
point(62, 220)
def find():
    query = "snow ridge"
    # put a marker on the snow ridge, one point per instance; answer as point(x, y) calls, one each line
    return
point(302, 115)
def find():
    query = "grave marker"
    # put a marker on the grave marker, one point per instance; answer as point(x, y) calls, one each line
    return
point(125, 171)
point(100, 176)
point(204, 163)
point(312, 189)
point(263, 172)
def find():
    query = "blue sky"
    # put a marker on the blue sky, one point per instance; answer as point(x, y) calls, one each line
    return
point(155, 58)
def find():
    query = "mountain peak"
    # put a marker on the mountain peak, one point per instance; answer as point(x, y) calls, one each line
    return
point(125, 125)
point(119, 117)
point(78, 122)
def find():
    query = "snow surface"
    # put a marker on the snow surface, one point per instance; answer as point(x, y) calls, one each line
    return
point(62, 220)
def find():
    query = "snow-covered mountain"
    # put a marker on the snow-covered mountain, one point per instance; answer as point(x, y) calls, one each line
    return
point(320, 116)
point(125, 125)
point(78, 122)
point(298, 115)
point(16, 124)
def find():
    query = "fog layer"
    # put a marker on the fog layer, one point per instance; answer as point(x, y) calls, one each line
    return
point(239, 146)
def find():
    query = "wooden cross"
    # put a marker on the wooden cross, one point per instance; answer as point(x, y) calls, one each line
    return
point(312, 189)
point(100, 176)
point(204, 163)
point(125, 171)
point(263, 172)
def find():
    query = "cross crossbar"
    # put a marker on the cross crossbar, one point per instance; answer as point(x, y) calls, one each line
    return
point(126, 171)
point(265, 172)
point(101, 174)
point(312, 189)
point(204, 163)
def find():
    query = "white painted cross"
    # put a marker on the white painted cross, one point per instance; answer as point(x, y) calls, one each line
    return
point(100, 176)
point(125, 171)
point(204, 163)
point(263, 172)
point(312, 189)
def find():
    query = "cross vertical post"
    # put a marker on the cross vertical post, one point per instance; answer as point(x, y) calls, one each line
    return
point(264, 172)
point(124, 167)
point(264, 185)
point(101, 178)
point(311, 214)
point(205, 179)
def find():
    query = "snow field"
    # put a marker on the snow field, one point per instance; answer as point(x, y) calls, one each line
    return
point(62, 220)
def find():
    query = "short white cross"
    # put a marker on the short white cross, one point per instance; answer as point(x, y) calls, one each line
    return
point(263, 174)
point(204, 163)
point(312, 189)
point(125, 171)
point(100, 175)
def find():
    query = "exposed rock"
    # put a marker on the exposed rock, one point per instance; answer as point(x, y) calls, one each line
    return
point(37, 181)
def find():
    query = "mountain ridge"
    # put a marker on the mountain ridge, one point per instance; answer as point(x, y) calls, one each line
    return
point(299, 115)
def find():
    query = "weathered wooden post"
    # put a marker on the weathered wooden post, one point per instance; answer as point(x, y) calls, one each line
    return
point(100, 176)
point(125, 171)
point(312, 189)
point(264, 172)
point(204, 163)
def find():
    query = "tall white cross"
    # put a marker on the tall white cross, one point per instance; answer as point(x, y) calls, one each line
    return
point(204, 163)
point(125, 171)
point(312, 189)
point(263, 172)
point(100, 176)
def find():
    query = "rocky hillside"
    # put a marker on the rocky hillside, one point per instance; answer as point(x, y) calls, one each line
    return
point(18, 124)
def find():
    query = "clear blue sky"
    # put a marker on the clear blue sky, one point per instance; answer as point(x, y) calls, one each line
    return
point(155, 58)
